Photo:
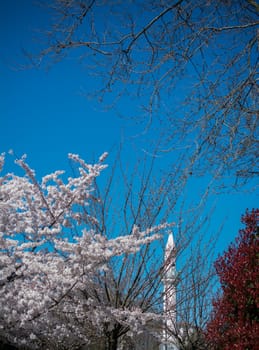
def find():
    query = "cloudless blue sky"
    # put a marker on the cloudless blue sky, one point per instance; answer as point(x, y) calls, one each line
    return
point(45, 114)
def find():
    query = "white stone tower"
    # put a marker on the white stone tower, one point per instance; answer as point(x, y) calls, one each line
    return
point(170, 295)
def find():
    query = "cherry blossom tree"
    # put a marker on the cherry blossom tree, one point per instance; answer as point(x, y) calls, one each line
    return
point(49, 278)
point(82, 263)
point(235, 320)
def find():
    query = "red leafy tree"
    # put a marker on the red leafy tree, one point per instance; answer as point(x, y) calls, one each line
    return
point(235, 318)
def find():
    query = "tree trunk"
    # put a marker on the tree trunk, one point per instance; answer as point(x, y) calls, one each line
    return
point(112, 340)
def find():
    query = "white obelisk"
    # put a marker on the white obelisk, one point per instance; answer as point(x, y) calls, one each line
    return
point(170, 294)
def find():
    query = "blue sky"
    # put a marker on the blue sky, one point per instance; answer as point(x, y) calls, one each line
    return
point(45, 114)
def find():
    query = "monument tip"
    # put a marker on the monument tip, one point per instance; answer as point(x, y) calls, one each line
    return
point(170, 242)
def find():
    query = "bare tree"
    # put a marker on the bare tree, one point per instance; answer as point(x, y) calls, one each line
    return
point(193, 66)
point(194, 293)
